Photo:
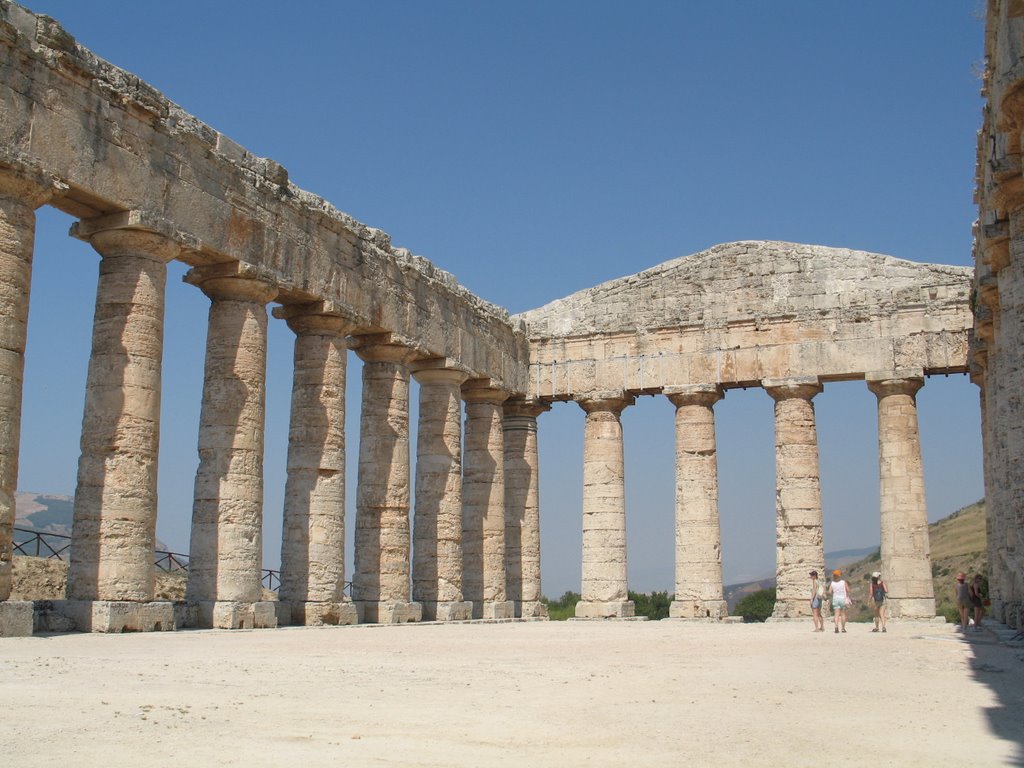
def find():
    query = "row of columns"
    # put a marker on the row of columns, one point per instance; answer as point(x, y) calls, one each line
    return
point(475, 541)
point(799, 544)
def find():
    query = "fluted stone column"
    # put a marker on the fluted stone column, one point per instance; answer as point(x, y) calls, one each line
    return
point(906, 553)
point(698, 590)
point(798, 518)
point(483, 503)
point(226, 554)
point(313, 534)
point(380, 582)
point(20, 195)
point(522, 507)
point(114, 532)
point(604, 592)
point(437, 530)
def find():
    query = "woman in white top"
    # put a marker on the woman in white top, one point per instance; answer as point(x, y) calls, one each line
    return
point(841, 599)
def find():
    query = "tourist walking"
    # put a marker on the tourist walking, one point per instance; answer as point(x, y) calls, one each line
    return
point(817, 597)
point(876, 598)
point(839, 590)
point(974, 595)
point(963, 600)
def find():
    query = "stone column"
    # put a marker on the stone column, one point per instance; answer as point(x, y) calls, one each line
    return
point(114, 533)
point(437, 532)
point(20, 195)
point(313, 535)
point(522, 507)
point(483, 503)
point(604, 590)
point(226, 554)
point(798, 494)
point(906, 558)
point(380, 583)
point(698, 592)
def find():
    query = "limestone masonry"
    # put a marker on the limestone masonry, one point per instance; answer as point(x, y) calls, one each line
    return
point(150, 184)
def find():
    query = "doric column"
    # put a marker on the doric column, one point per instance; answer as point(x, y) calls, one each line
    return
point(522, 507)
point(313, 533)
point(227, 515)
point(114, 533)
point(437, 531)
point(380, 583)
point(797, 494)
point(698, 592)
point(20, 195)
point(906, 559)
point(604, 592)
point(483, 503)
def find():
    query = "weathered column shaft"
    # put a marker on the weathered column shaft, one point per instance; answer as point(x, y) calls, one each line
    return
point(698, 588)
point(313, 534)
point(798, 523)
point(19, 199)
point(905, 549)
point(604, 591)
point(116, 497)
point(437, 533)
point(227, 515)
point(522, 507)
point(483, 503)
point(380, 583)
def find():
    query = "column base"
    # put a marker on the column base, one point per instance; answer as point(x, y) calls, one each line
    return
point(532, 609)
point(317, 614)
point(910, 607)
point(372, 612)
point(698, 609)
point(621, 609)
point(114, 615)
point(791, 609)
point(501, 609)
point(16, 618)
point(447, 611)
point(230, 614)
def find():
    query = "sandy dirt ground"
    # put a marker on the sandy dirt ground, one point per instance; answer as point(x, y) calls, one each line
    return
point(523, 694)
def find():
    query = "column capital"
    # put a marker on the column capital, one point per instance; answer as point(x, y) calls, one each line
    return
point(381, 348)
point(612, 402)
point(802, 387)
point(438, 369)
point(899, 382)
point(694, 394)
point(133, 242)
point(231, 281)
point(519, 406)
point(30, 185)
point(312, 319)
point(481, 391)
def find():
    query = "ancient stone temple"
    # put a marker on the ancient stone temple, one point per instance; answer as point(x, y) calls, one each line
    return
point(997, 349)
point(454, 535)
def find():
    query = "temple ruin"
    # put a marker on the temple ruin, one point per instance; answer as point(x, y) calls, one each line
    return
point(459, 539)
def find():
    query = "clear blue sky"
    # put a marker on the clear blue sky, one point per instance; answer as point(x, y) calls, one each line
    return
point(535, 149)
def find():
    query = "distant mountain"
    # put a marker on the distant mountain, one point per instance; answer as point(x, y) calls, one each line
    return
point(49, 513)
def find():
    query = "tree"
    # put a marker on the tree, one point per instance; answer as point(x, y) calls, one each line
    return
point(757, 606)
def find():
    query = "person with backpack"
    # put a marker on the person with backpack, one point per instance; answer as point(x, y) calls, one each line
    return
point(817, 598)
point(842, 599)
point(876, 597)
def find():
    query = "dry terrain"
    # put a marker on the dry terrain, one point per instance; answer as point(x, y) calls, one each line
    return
point(524, 694)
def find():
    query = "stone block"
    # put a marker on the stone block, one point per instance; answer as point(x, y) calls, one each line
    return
point(317, 614)
point(227, 614)
point(531, 610)
point(501, 609)
point(15, 618)
point(448, 611)
point(117, 615)
point(371, 612)
point(622, 609)
point(698, 609)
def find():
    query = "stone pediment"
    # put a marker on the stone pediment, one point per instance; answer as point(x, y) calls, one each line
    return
point(750, 281)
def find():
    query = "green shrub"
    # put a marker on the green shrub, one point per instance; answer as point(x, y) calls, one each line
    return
point(757, 606)
point(654, 605)
point(563, 608)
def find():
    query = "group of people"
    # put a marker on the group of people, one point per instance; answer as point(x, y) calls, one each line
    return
point(969, 598)
point(840, 595)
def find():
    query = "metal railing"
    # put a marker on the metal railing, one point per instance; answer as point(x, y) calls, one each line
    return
point(57, 546)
